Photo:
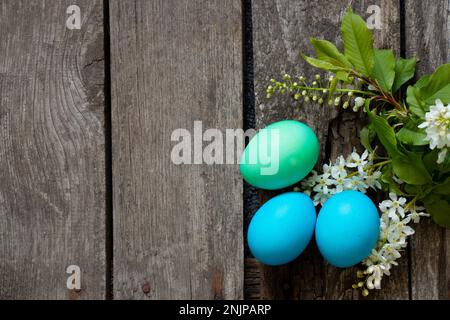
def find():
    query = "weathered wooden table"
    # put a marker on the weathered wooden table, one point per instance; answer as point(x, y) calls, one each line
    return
point(86, 116)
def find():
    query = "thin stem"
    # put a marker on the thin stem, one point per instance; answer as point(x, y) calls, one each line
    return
point(337, 89)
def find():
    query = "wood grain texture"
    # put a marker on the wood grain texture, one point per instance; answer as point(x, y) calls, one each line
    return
point(177, 228)
point(52, 190)
point(427, 36)
point(281, 29)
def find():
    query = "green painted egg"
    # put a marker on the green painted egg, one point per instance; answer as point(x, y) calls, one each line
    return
point(280, 155)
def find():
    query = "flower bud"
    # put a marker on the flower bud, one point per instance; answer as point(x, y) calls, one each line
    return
point(337, 101)
point(304, 93)
point(359, 102)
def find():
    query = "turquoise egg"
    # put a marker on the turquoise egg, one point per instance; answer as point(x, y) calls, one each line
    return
point(280, 155)
point(282, 228)
point(347, 228)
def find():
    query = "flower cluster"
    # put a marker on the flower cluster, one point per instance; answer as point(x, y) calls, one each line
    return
point(437, 124)
point(356, 172)
point(322, 91)
point(396, 214)
point(362, 172)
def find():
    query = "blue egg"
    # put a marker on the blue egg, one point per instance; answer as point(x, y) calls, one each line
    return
point(282, 228)
point(347, 228)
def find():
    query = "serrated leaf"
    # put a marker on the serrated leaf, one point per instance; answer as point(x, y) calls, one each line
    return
point(328, 52)
point(443, 188)
point(343, 76)
point(423, 81)
point(366, 136)
point(358, 43)
point(415, 101)
point(439, 210)
point(385, 134)
point(411, 169)
point(438, 86)
point(411, 134)
point(321, 64)
point(384, 68)
point(404, 71)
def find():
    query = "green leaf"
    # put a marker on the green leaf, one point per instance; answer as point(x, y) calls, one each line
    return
point(386, 178)
point(411, 169)
point(404, 71)
point(439, 210)
point(321, 64)
point(415, 101)
point(430, 160)
point(443, 188)
point(383, 70)
point(438, 86)
point(385, 134)
point(328, 52)
point(411, 134)
point(366, 136)
point(358, 43)
point(343, 76)
point(423, 81)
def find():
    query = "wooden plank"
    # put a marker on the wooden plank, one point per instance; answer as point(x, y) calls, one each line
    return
point(52, 190)
point(281, 29)
point(177, 228)
point(427, 37)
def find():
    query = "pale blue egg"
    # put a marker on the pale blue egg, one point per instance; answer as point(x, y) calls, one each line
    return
point(282, 228)
point(347, 228)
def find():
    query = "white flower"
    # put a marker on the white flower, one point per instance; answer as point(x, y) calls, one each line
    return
point(356, 183)
point(393, 206)
point(339, 167)
point(372, 180)
point(374, 280)
point(357, 161)
point(339, 180)
point(442, 155)
point(437, 128)
point(415, 215)
point(323, 181)
point(320, 198)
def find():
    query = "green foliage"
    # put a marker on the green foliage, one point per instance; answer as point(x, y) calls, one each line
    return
point(411, 134)
point(411, 169)
point(404, 71)
point(439, 208)
point(429, 88)
point(378, 76)
point(358, 43)
point(367, 135)
point(386, 135)
point(384, 69)
point(326, 51)
point(322, 64)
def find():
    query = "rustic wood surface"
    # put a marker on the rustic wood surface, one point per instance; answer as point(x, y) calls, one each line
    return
point(427, 36)
point(52, 157)
point(86, 118)
point(177, 228)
